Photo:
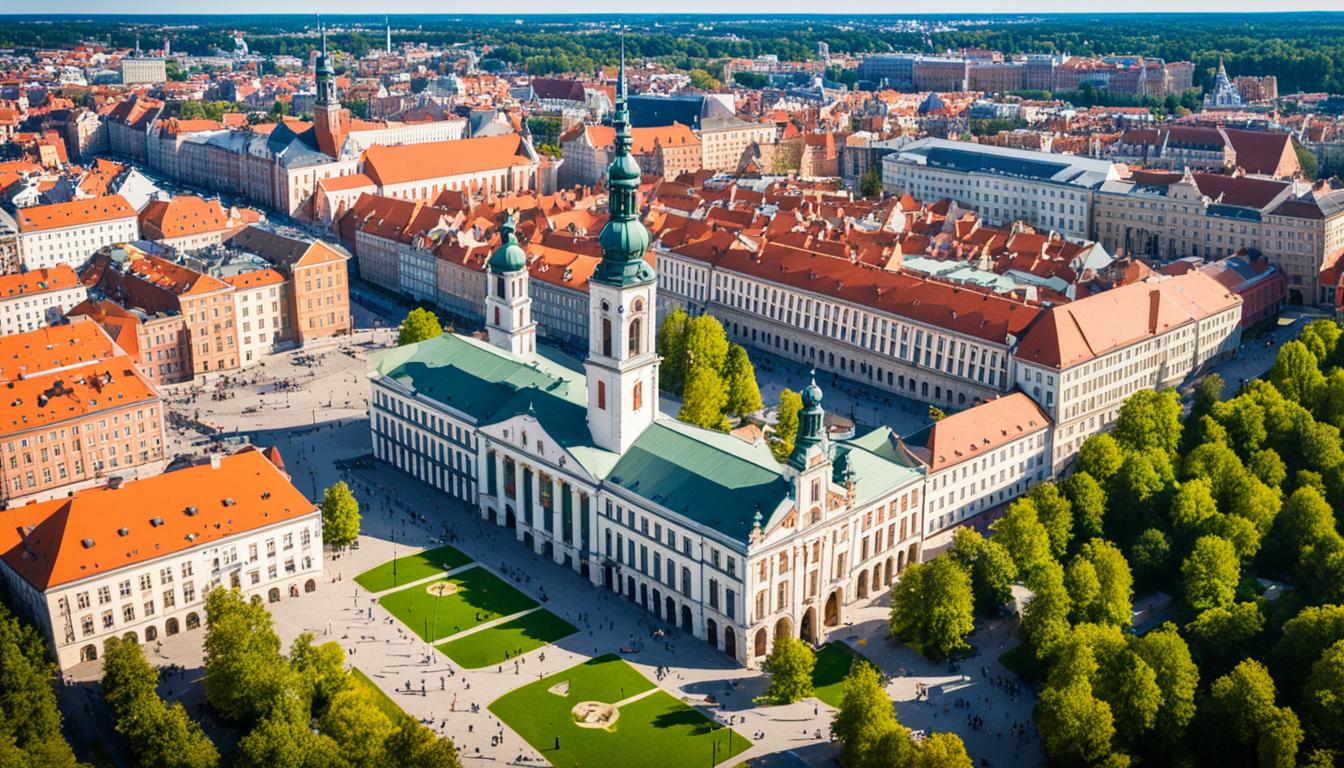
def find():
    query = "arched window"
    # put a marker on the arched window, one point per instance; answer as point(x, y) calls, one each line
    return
point(602, 395)
point(637, 397)
point(496, 315)
point(606, 337)
point(635, 336)
point(638, 305)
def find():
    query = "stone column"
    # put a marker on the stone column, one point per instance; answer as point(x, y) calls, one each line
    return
point(499, 488)
point(537, 511)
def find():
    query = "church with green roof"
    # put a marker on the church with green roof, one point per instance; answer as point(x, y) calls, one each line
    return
point(704, 529)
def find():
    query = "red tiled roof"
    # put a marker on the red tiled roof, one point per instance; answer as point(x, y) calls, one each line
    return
point(75, 213)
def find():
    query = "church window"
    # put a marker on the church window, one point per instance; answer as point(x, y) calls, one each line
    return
point(634, 336)
point(496, 315)
point(602, 395)
point(637, 396)
point(499, 286)
point(606, 337)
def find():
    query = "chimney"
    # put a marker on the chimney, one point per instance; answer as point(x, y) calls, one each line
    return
point(214, 461)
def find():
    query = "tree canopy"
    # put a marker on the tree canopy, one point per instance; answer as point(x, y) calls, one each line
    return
point(419, 325)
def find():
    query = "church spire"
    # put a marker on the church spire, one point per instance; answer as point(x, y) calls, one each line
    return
point(326, 85)
point(811, 425)
point(624, 238)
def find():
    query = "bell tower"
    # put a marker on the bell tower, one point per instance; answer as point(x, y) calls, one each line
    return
point(508, 303)
point(622, 365)
point(810, 462)
point(331, 121)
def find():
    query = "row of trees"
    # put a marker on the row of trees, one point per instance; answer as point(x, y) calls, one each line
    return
point(714, 378)
point(159, 735)
point(304, 710)
point(30, 723)
point(1202, 509)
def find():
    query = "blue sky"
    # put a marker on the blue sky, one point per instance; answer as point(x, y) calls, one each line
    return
point(685, 6)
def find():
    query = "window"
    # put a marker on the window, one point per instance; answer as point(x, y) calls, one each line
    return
point(635, 326)
point(602, 394)
point(104, 595)
point(169, 599)
point(606, 337)
point(637, 396)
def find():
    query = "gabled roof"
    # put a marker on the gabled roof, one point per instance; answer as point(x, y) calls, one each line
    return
point(180, 216)
point(976, 431)
point(102, 530)
point(58, 278)
point(414, 162)
point(74, 213)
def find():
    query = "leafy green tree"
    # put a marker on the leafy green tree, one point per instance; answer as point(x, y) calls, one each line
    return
point(1296, 374)
point(419, 325)
point(245, 676)
point(786, 424)
point(159, 735)
point(321, 670)
point(413, 745)
point(1244, 420)
point(1055, 513)
point(285, 738)
point(1208, 394)
point(1021, 533)
point(30, 723)
point(932, 608)
point(865, 713)
point(702, 80)
point(1322, 338)
point(1319, 575)
point(870, 183)
point(1268, 468)
point(1100, 456)
point(672, 348)
point(1045, 619)
point(1210, 574)
point(1130, 687)
point(704, 399)
point(1306, 519)
point(1087, 499)
point(991, 567)
point(354, 721)
point(1193, 509)
point(706, 344)
point(1150, 420)
point(1177, 677)
point(1323, 698)
point(1330, 406)
point(1220, 637)
point(790, 665)
point(1076, 727)
point(1151, 557)
point(1240, 714)
point(744, 396)
point(340, 515)
point(1140, 490)
point(1107, 597)
point(1305, 637)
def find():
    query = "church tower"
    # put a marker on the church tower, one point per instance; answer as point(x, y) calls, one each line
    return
point(622, 364)
point(508, 304)
point(331, 122)
point(810, 462)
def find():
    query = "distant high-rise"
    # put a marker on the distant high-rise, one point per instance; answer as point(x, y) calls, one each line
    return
point(388, 22)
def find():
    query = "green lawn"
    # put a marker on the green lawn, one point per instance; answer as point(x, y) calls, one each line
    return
point(384, 702)
point(658, 731)
point(523, 634)
point(411, 568)
point(828, 676)
point(481, 597)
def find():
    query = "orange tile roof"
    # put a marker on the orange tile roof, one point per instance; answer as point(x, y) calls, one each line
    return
point(257, 278)
point(182, 215)
point(58, 278)
point(57, 346)
point(435, 159)
point(976, 431)
point(39, 401)
point(144, 520)
point(74, 213)
point(340, 183)
point(1092, 326)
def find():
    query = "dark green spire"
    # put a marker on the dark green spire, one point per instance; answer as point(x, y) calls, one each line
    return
point(509, 256)
point(624, 239)
point(326, 83)
point(811, 425)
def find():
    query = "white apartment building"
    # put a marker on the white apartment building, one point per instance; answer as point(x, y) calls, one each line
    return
point(261, 309)
point(69, 233)
point(723, 139)
point(920, 338)
point(1081, 360)
point(1049, 191)
point(146, 553)
point(978, 460)
point(36, 299)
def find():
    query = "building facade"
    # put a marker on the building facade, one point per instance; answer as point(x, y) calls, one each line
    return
point(39, 298)
point(69, 233)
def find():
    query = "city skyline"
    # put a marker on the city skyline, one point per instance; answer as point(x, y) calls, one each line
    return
point(693, 7)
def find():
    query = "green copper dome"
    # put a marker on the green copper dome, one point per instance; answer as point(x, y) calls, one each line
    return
point(624, 239)
point(811, 425)
point(509, 256)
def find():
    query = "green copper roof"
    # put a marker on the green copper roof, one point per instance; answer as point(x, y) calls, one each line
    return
point(624, 238)
point(708, 477)
point(509, 256)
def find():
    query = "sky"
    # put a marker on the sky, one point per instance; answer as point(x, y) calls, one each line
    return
point(684, 6)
